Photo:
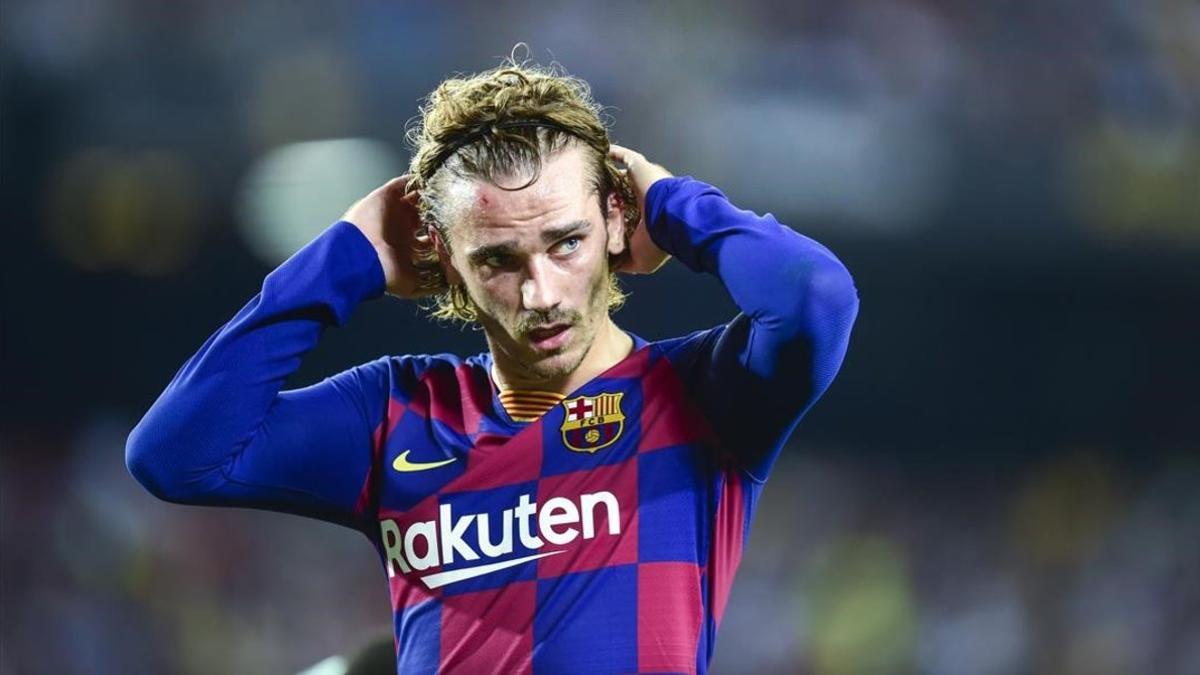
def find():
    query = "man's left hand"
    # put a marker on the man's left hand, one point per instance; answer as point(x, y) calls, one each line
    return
point(644, 256)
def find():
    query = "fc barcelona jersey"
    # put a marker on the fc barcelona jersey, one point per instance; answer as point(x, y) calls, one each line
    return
point(599, 536)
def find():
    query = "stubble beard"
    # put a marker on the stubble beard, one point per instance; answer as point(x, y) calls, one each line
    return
point(561, 362)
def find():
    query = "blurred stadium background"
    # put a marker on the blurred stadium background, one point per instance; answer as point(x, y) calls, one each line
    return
point(1003, 479)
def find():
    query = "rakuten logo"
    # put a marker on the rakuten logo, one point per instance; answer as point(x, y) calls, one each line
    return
point(444, 538)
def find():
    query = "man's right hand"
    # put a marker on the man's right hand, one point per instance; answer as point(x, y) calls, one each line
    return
point(390, 221)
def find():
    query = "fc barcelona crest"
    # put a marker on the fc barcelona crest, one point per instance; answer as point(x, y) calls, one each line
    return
point(592, 422)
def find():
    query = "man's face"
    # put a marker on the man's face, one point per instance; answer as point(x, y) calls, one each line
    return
point(535, 263)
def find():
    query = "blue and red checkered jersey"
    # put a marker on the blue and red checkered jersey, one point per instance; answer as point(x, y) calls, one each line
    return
point(600, 536)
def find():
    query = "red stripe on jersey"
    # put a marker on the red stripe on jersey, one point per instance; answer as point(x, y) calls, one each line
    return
point(603, 549)
point(394, 412)
point(669, 616)
point(454, 398)
point(476, 387)
point(489, 631)
point(668, 415)
point(501, 460)
point(366, 495)
point(728, 534)
point(406, 592)
point(409, 590)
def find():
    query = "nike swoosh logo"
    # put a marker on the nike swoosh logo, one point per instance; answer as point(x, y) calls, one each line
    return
point(401, 463)
point(443, 578)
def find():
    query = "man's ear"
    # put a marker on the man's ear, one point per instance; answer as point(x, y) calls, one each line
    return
point(614, 222)
point(443, 254)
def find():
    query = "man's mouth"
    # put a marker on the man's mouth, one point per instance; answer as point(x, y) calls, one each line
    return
point(549, 337)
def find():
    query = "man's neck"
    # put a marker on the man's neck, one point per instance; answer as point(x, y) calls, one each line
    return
point(610, 346)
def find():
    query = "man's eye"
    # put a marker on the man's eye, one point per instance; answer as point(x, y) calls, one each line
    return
point(569, 244)
point(496, 260)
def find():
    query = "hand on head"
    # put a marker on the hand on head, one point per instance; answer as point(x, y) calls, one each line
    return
point(389, 219)
point(645, 257)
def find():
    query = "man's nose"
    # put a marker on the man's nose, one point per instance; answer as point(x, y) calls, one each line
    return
point(538, 290)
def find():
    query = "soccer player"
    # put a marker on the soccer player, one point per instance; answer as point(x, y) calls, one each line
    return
point(575, 499)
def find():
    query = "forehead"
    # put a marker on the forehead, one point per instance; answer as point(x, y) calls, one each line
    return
point(561, 193)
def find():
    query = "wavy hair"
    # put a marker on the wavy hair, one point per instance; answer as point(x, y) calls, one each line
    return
point(499, 123)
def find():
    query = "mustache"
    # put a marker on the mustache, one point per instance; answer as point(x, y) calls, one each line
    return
point(535, 320)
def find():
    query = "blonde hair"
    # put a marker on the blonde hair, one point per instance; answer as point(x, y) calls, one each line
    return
point(503, 122)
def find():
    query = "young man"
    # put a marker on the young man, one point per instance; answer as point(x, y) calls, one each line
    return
point(575, 499)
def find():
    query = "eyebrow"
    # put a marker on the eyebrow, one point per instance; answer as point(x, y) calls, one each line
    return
point(507, 247)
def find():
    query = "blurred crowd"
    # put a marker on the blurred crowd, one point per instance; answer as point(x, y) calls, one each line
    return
point(1076, 564)
point(144, 119)
point(1002, 479)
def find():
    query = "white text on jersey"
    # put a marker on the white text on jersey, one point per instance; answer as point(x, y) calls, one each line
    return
point(443, 538)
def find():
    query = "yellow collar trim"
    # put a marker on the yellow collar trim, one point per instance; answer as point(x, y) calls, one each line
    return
point(526, 405)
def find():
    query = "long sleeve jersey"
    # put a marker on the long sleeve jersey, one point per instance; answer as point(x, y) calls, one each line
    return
point(600, 537)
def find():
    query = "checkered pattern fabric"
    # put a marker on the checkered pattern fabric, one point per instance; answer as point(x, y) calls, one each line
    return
point(644, 595)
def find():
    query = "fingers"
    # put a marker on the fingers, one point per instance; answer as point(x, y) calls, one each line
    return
point(398, 181)
point(396, 186)
point(623, 154)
